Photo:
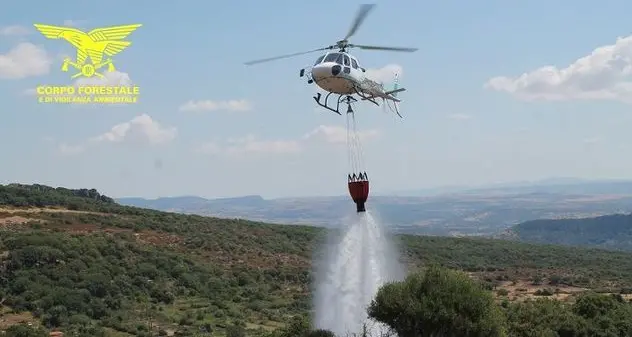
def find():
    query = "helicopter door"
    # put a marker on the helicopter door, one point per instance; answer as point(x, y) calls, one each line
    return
point(347, 64)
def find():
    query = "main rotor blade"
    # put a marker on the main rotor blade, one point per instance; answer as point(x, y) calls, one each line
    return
point(360, 16)
point(286, 56)
point(383, 48)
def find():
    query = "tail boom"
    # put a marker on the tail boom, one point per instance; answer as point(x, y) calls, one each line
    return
point(385, 95)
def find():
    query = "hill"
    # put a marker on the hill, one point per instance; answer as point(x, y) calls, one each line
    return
point(78, 261)
point(481, 211)
point(609, 232)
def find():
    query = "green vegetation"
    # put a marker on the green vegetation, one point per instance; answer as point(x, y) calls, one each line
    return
point(585, 267)
point(20, 195)
point(438, 302)
point(79, 262)
point(442, 302)
point(607, 232)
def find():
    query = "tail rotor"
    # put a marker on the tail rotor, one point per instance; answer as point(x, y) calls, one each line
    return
point(394, 108)
point(396, 84)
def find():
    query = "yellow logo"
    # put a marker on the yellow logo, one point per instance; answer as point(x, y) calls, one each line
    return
point(88, 65)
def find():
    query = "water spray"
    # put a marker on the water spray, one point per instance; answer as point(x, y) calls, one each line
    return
point(357, 260)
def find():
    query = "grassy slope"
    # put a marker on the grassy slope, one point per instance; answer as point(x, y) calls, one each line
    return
point(90, 262)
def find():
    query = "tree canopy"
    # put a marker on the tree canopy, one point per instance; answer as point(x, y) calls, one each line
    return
point(438, 302)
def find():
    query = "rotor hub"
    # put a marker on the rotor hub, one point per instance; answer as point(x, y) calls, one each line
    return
point(342, 44)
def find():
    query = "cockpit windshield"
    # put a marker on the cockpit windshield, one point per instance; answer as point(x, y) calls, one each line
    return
point(334, 57)
point(320, 59)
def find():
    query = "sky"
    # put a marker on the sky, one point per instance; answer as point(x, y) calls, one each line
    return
point(497, 92)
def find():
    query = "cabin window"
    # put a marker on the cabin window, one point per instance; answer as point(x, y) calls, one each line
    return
point(354, 64)
point(320, 59)
point(346, 60)
point(339, 59)
point(331, 57)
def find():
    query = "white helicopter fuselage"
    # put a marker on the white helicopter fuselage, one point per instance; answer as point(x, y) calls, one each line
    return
point(339, 73)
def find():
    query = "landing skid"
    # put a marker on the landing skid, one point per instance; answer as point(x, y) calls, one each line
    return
point(345, 99)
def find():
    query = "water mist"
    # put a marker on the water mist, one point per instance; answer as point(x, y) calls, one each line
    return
point(356, 261)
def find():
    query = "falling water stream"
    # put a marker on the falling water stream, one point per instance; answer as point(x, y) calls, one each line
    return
point(355, 262)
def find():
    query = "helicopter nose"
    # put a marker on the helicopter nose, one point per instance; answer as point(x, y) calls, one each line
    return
point(320, 72)
point(335, 70)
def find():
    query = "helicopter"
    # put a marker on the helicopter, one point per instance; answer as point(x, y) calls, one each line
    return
point(339, 72)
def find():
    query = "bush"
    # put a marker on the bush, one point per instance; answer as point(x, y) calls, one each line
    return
point(502, 292)
point(544, 292)
point(235, 331)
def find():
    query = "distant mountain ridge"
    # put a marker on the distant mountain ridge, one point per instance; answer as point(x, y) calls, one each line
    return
point(608, 232)
point(482, 211)
point(189, 201)
point(553, 185)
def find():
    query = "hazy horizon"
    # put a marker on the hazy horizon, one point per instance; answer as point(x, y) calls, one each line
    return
point(431, 191)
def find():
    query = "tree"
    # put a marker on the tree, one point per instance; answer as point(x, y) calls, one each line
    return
point(235, 331)
point(439, 302)
point(298, 326)
point(610, 315)
point(545, 318)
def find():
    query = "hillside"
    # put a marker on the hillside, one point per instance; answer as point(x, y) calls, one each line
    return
point(482, 211)
point(609, 232)
point(76, 260)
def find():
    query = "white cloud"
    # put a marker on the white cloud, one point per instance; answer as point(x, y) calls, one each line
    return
point(209, 105)
point(337, 134)
point(385, 74)
point(141, 129)
point(251, 145)
point(460, 117)
point(14, 30)
point(24, 60)
point(601, 75)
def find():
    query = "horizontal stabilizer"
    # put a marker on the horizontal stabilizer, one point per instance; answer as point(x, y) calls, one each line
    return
point(395, 91)
point(386, 95)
